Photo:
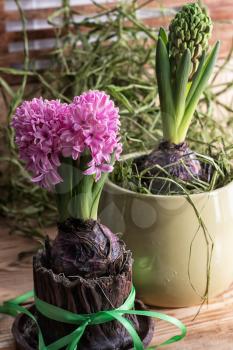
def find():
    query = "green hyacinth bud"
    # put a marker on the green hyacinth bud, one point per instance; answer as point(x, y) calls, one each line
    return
point(190, 29)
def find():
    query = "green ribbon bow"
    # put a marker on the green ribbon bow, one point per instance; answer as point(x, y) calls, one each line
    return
point(12, 307)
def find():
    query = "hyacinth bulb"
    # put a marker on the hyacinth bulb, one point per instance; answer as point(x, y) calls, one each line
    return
point(190, 29)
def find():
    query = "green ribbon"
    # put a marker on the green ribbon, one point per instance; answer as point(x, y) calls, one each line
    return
point(12, 307)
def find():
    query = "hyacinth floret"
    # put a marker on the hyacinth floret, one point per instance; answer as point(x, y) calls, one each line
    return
point(93, 126)
point(38, 124)
point(46, 131)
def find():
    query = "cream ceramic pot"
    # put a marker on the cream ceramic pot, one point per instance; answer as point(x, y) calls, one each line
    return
point(160, 230)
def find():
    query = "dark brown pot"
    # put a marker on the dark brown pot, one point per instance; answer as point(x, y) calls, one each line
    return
point(82, 296)
point(86, 269)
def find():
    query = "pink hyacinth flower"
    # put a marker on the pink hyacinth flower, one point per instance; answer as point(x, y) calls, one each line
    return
point(46, 131)
point(93, 127)
point(38, 124)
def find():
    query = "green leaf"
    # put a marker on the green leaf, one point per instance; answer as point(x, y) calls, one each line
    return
point(14, 71)
point(120, 97)
point(165, 90)
point(163, 35)
point(6, 87)
point(180, 87)
point(196, 79)
point(203, 81)
point(65, 188)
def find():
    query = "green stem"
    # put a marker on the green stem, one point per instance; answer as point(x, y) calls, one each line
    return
point(97, 190)
point(78, 195)
point(82, 189)
point(82, 198)
point(64, 189)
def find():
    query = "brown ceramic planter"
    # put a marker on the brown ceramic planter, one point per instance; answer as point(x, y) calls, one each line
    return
point(159, 231)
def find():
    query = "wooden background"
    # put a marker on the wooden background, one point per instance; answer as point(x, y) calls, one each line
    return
point(154, 13)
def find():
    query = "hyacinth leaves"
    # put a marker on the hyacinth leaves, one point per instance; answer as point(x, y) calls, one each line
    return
point(165, 90)
point(199, 84)
point(181, 84)
point(179, 96)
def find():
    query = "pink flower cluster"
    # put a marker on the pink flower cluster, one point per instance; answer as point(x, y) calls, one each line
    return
point(93, 124)
point(38, 124)
point(46, 131)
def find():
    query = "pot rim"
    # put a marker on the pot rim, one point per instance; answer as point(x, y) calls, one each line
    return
point(162, 196)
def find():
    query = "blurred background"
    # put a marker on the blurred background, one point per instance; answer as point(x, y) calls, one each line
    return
point(154, 13)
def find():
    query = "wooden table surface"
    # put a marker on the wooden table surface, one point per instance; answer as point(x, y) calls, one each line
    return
point(211, 330)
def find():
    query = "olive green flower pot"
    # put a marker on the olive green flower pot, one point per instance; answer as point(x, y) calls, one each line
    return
point(171, 250)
